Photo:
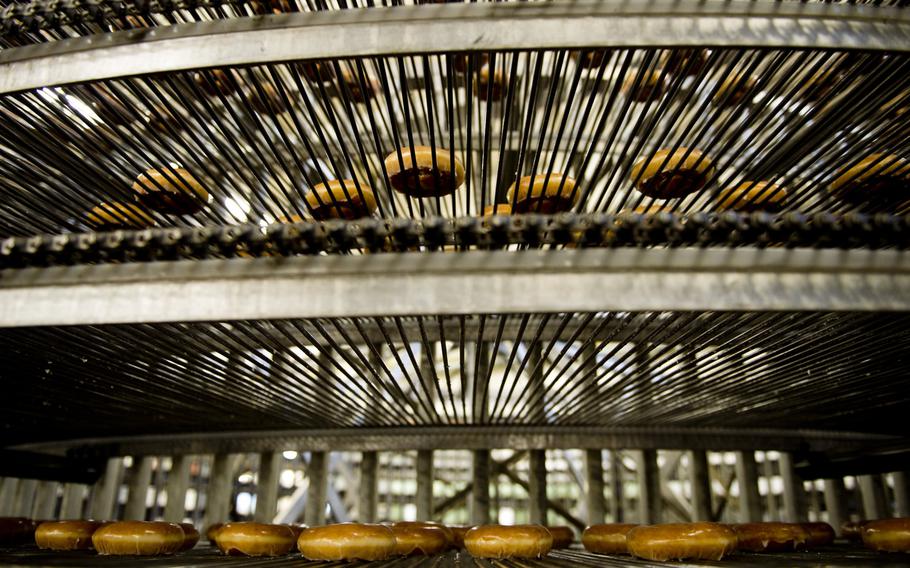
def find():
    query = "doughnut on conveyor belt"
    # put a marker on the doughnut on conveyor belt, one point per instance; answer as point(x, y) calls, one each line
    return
point(838, 556)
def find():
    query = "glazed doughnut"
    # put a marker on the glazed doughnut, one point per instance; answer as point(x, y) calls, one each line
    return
point(852, 531)
point(211, 533)
point(607, 539)
point(677, 61)
point(255, 539)
point(118, 216)
point(458, 536)
point(15, 530)
point(887, 535)
point(138, 538)
point(317, 71)
point(669, 175)
point(651, 86)
point(820, 534)
point(357, 92)
point(498, 209)
point(347, 541)
point(190, 536)
point(770, 537)
point(563, 537)
point(878, 179)
point(297, 529)
point(416, 175)
point(558, 195)
point(752, 196)
point(592, 58)
point(426, 539)
point(66, 535)
point(170, 190)
point(489, 85)
point(498, 541)
point(214, 81)
point(341, 199)
point(704, 541)
point(734, 90)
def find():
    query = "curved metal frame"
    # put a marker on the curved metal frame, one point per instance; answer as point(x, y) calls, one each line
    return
point(427, 29)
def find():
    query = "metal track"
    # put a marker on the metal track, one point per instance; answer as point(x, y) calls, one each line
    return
point(840, 556)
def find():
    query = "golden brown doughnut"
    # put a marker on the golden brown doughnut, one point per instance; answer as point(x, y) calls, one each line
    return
point(607, 539)
point(190, 536)
point(878, 179)
point(341, 199)
point(820, 534)
point(458, 536)
point(138, 538)
point(170, 190)
point(347, 541)
point(651, 87)
point(415, 175)
point(498, 541)
point(489, 85)
point(414, 538)
point(497, 209)
point(853, 531)
point(668, 176)
point(297, 529)
point(255, 539)
point(753, 196)
point(15, 530)
point(214, 81)
point(563, 536)
point(734, 89)
point(770, 537)
point(592, 59)
point(118, 216)
point(532, 196)
point(887, 535)
point(679, 59)
point(211, 533)
point(66, 535)
point(705, 541)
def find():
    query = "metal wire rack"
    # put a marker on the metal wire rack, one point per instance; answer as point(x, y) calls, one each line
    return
point(203, 556)
point(260, 136)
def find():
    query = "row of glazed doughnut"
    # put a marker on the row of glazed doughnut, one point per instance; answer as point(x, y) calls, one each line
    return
point(358, 541)
point(713, 541)
point(436, 172)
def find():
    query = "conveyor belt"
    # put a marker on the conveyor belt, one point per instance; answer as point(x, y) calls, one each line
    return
point(834, 557)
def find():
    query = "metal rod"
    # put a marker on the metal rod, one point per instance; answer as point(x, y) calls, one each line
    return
point(220, 490)
point(872, 491)
point(537, 487)
point(617, 495)
point(650, 503)
point(594, 486)
point(25, 497)
point(480, 490)
point(700, 480)
point(45, 500)
point(368, 488)
point(794, 495)
point(836, 503)
point(901, 494)
point(750, 509)
point(8, 496)
point(267, 486)
point(104, 496)
point(317, 490)
point(178, 481)
point(141, 478)
point(73, 501)
point(424, 497)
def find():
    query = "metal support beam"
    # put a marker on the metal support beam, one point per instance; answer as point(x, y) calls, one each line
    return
point(369, 480)
point(552, 505)
point(424, 496)
point(73, 501)
point(317, 490)
point(479, 384)
point(536, 391)
point(25, 497)
point(771, 504)
point(901, 494)
point(178, 481)
point(747, 479)
point(136, 501)
point(537, 487)
point(594, 486)
point(45, 500)
point(649, 495)
point(700, 480)
point(836, 502)
point(872, 490)
point(104, 496)
point(794, 495)
point(220, 488)
point(616, 487)
point(8, 496)
point(267, 487)
point(480, 492)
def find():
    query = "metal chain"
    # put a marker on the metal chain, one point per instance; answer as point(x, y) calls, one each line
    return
point(437, 234)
